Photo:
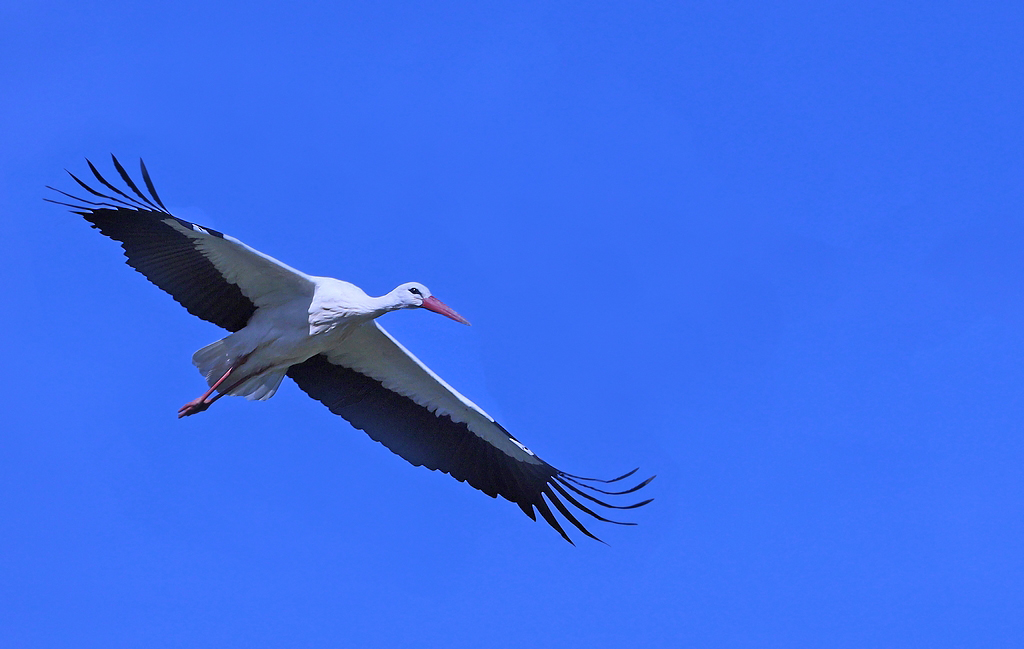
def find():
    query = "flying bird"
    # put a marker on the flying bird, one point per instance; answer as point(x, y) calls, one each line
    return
point(323, 334)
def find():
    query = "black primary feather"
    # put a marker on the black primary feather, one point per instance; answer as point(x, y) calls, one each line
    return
point(165, 255)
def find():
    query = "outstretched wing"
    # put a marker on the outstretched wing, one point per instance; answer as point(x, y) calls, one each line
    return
point(382, 389)
point(215, 276)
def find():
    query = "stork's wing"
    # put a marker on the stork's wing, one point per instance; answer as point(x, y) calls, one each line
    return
point(215, 276)
point(381, 388)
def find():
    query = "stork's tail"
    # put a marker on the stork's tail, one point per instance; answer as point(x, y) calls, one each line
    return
point(216, 358)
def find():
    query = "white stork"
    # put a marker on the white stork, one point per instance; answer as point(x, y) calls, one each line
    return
point(323, 333)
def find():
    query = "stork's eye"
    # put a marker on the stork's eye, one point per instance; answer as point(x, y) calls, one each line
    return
point(415, 291)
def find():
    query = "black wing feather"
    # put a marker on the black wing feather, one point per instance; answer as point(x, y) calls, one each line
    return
point(166, 256)
point(146, 203)
point(439, 443)
point(149, 185)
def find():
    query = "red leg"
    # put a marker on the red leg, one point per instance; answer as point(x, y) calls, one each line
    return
point(203, 402)
point(227, 390)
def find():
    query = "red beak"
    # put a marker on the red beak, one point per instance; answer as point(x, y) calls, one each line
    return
point(437, 306)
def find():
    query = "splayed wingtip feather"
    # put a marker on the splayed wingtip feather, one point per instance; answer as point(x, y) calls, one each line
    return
point(568, 514)
point(621, 477)
point(149, 184)
point(146, 203)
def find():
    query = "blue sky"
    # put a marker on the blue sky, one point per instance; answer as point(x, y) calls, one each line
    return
point(768, 251)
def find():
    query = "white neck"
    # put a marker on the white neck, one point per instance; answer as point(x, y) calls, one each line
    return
point(378, 306)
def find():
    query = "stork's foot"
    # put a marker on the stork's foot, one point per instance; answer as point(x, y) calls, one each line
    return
point(205, 401)
point(192, 407)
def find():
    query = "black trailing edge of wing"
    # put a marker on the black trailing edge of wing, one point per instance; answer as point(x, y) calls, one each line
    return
point(437, 442)
point(165, 255)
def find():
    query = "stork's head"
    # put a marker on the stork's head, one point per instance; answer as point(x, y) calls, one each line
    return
point(413, 295)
